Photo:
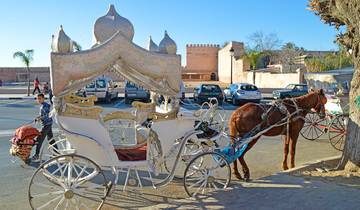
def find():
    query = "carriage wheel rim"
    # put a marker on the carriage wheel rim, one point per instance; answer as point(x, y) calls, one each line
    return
point(311, 127)
point(337, 133)
point(69, 193)
point(207, 181)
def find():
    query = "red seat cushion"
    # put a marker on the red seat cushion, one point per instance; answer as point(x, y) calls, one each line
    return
point(135, 154)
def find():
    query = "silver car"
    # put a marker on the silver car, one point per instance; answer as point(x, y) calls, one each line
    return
point(241, 93)
point(134, 92)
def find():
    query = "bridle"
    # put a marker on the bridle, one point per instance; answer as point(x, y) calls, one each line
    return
point(319, 104)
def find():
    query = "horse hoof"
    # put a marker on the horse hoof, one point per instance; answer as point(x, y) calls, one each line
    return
point(238, 176)
point(247, 179)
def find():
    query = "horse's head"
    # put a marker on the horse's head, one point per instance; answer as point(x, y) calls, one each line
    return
point(320, 101)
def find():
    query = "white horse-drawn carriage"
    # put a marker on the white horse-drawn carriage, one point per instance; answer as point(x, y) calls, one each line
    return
point(88, 159)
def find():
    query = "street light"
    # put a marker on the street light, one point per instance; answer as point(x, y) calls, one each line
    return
point(231, 64)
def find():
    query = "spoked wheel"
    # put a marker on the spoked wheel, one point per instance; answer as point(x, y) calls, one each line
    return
point(337, 132)
point(68, 182)
point(213, 174)
point(60, 146)
point(191, 149)
point(314, 127)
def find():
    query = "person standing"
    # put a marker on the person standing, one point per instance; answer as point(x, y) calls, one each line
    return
point(36, 86)
point(46, 130)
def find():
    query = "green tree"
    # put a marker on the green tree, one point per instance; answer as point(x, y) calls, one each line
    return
point(253, 57)
point(26, 58)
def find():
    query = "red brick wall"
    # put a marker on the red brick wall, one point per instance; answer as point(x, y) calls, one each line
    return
point(9, 74)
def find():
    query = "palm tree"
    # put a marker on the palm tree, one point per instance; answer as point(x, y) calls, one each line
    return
point(253, 56)
point(26, 58)
point(76, 46)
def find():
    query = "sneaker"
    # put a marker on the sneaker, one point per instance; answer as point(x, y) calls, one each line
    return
point(35, 159)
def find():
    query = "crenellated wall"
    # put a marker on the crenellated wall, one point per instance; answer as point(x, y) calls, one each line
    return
point(201, 61)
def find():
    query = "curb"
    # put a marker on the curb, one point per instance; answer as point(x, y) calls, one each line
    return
point(305, 165)
point(19, 98)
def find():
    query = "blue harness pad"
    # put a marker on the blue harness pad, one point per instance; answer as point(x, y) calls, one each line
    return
point(230, 153)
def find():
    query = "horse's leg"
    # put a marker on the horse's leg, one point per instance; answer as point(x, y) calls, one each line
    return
point(233, 134)
point(244, 166)
point(286, 152)
point(293, 141)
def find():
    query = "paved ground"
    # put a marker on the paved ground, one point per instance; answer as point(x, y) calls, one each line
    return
point(279, 191)
point(263, 160)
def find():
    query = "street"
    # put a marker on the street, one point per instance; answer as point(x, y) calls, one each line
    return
point(263, 160)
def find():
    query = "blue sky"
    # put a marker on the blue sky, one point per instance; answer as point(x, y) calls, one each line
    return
point(29, 24)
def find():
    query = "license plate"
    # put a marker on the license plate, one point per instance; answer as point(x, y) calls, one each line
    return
point(131, 94)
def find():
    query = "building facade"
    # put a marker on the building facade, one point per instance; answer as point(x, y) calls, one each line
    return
point(18, 74)
point(235, 64)
point(201, 62)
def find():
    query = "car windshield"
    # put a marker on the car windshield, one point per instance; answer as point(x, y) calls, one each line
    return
point(91, 85)
point(210, 88)
point(130, 85)
point(296, 87)
point(100, 83)
point(249, 88)
point(290, 87)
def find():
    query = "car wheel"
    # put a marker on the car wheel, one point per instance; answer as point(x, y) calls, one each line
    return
point(108, 99)
point(127, 101)
point(234, 102)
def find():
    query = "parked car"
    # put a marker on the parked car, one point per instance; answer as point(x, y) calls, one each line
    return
point(205, 92)
point(134, 92)
point(292, 90)
point(103, 88)
point(241, 93)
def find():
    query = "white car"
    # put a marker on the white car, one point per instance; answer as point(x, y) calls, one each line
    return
point(240, 93)
point(103, 88)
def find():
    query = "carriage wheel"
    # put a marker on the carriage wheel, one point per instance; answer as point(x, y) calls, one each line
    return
point(337, 132)
point(190, 150)
point(61, 146)
point(314, 127)
point(68, 182)
point(213, 174)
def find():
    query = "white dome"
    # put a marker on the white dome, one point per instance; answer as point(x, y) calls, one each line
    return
point(167, 45)
point(152, 46)
point(61, 42)
point(106, 26)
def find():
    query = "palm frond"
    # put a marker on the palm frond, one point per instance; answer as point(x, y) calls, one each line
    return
point(29, 54)
point(19, 55)
point(77, 46)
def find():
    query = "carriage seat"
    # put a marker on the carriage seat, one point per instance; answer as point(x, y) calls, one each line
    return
point(80, 101)
point(132, 154)
point(150, 108)
point(90, 112)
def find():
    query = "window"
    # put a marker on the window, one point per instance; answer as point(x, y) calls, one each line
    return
point(249, 88)
point(91, 85)
point(100, 84)
point(210, 88)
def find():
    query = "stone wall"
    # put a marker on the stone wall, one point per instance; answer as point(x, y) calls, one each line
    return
point(275, 80)
point(9, 74)
point(239, 65)
point(201, 61)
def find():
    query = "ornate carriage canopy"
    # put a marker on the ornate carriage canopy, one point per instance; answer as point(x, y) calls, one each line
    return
point(157, 69)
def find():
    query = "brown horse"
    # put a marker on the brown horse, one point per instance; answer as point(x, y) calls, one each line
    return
point(256, 116)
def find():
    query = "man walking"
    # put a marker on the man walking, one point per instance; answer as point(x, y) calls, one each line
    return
point(36, 86)
point(46, 130)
